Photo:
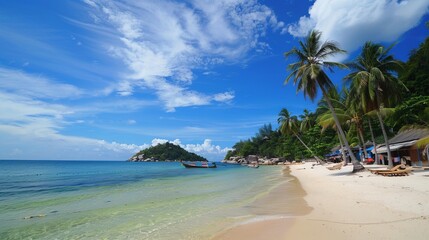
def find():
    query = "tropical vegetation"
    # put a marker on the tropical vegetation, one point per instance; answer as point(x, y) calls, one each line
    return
point(380, 96)
point(288, 125)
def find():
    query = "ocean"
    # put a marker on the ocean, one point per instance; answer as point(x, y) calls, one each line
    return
point(127, 200)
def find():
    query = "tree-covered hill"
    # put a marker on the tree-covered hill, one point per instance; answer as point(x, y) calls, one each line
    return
point(166, 151)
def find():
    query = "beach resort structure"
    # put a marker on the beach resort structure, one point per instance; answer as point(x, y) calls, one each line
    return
point(405, 148)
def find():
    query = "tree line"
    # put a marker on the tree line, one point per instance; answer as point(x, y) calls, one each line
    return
point(379, 97)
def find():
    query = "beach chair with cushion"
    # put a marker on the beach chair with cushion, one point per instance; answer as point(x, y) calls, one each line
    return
point(396, 173)
point(395, 168)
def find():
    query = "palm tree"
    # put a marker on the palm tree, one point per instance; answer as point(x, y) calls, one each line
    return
point(309, 76)
point(289, 124)
point(306, 120)
point(377, 161)
point(374, 82)
point(325, 118)
point(326, 121)
point(356, 117)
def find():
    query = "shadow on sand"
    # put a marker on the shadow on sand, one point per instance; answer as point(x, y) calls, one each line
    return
point(341, 174)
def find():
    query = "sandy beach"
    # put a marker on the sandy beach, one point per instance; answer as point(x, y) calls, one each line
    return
point(346, 206)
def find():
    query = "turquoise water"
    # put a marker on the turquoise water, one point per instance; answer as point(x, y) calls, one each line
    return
point(125, 200)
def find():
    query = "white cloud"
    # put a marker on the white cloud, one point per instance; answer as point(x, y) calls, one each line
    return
point(206, 147)
point(157, 141)
point(27, 115)
point(62, 147)
point(90, 2)
point(121, 147)
point(176, 96)
point(352, 22)
point(224, 97)
point(29, 122)
point(162, 42)
point(304, 25)
point(121, 105)
point(35, 86)
point(27, 126)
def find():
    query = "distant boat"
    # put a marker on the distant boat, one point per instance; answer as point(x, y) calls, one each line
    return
point(202, 165)
point(253, 165)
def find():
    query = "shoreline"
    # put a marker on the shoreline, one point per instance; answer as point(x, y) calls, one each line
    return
point(348, 206)
point(274, 213)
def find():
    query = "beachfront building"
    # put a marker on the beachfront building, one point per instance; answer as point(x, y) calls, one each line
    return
point(336, 155)
point(368, 157)
point(404, 148)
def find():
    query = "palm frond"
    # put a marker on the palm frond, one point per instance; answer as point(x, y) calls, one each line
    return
point(423, 142)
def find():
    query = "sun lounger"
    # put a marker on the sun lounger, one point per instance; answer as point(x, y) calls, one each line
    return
point(396, 173)
point(395, 168)
point(418, 168)
point(335, 167)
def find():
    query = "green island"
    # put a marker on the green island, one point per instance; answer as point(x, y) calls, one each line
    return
point(165, 152)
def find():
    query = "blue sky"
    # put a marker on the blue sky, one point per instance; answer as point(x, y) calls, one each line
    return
point(100, 80)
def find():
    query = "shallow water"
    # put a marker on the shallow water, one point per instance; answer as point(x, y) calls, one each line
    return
point(125, 200)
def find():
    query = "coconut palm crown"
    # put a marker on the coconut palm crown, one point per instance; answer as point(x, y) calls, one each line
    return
point(288, 124)
point(373, 78)
point(308, 72)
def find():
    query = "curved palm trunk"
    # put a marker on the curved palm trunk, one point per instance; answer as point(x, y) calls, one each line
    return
point(386, 140)
point(343, 153)
point(360, 143)
point(365, 154)
point(305, 145)
point(377, 160)
point(356, 164)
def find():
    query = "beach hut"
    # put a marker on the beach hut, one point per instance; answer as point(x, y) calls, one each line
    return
point(336, 154)
point(369, 153)
point(404, 148)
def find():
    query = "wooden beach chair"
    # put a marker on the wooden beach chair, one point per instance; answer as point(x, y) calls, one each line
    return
point(395, 168)
point(337, 166)
point(396, 173)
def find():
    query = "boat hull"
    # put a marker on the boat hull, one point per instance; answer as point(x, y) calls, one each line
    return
point(187, 165)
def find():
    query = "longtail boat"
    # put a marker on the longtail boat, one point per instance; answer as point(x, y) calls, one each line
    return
point(202, 165)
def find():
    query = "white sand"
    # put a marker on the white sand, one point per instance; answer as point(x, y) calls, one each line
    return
point(350, 206)
point(362, 205)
